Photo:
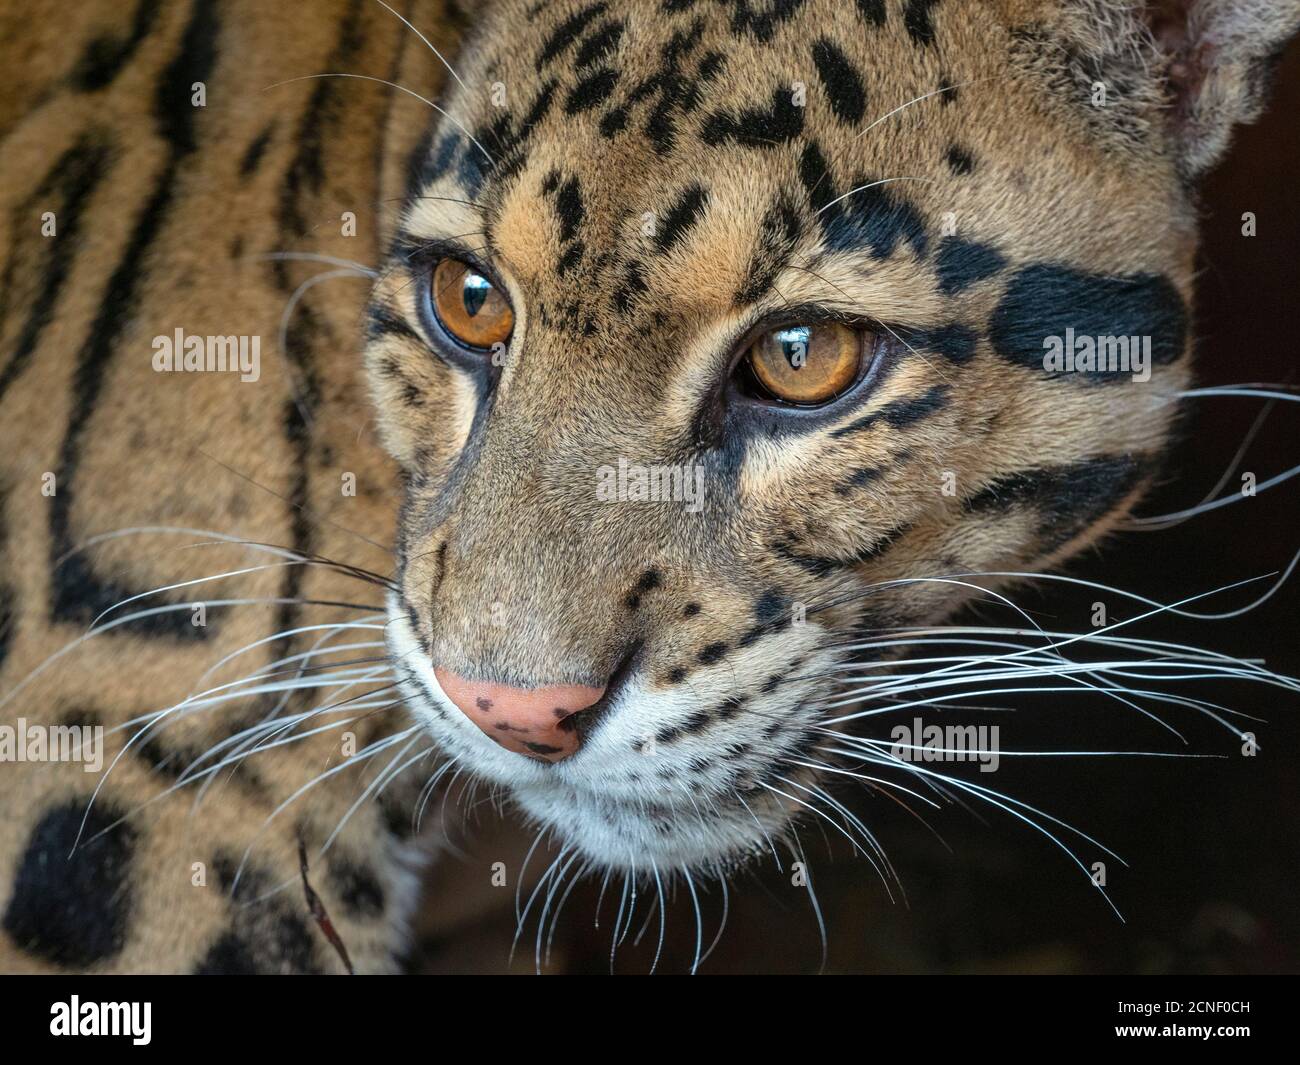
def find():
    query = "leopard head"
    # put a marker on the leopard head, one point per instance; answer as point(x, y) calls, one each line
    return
point(720, 335)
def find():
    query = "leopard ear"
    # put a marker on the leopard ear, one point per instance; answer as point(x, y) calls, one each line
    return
point(1219, 56)
point(1200, 67)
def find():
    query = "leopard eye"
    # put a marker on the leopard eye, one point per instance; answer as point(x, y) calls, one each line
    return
point(469, 306)
point(808, 364)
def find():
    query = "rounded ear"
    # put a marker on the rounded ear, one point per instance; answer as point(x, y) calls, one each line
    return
point(1208, 62)
point(1221, 56)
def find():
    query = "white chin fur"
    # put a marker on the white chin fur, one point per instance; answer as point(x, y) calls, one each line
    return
point(620, 807)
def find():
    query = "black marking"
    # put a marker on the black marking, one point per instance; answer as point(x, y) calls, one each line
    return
point(900, 412)
point(762, 23)
point(613, 122)
point(1067, 499)
point(571, 258)
point(74, 911)
point(600, 44)
point(844, 87)
point(568, 32)
point(229, 956)
point(873, 11)
point(633, 286)
point(383, 322)
point(357, 887)
point(874, 215)
point(778, 234)
point(591, 91)
point(66, 190)
point(77, 593)
point(961, 263)
point(255, 151)
point(690, 610)
point(712, 653)
point(105, 57)
point(429, 163)
point(683, 214)
point(960, 161)
point(1045, 300)
point(956, 343)
point(267, 932)
point(756, 128)
point(917, 19)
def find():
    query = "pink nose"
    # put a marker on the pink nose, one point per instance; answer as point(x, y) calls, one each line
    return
point(524, 720)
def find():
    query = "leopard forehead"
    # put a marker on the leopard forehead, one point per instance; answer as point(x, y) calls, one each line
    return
point(694, 158)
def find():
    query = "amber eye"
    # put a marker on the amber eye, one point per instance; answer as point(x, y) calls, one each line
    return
point(469, 306)
point(808, 364)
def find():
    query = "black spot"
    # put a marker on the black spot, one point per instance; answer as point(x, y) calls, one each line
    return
point(712, 653)
point(960, 161)
point(777, 235)
point(74, 911)
point(960, 263)
point(816, 178)
point(267, 933)
point(568, 207)
point(613, 121)
point(358, 888)
point(430, 163)
point(772, 606)
point(633, 286)
point(731, 706)
point(761, 23)
point(570, 258)
point(676, 675)
point(649, 581)
point(755, 128)
point(873, 11)
point(918, 22)
point(1045, 300)
point(875, 216)
point(591, 91)
point(568, 32)
point(685, 213)
point(600, 44)
point(255, 150)
point(1067, 499)
point(900, 412)
point(956, 343)
point(105, 56)
point(228, 956)
point(382, 322)
point(844, 88)
point(690, 610)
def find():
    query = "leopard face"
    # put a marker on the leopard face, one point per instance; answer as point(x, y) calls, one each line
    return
point(623, 210)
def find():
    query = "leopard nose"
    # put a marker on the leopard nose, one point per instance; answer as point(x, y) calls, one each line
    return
point(528, 721)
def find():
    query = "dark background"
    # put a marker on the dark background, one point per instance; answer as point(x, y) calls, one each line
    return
point(1213, 845)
